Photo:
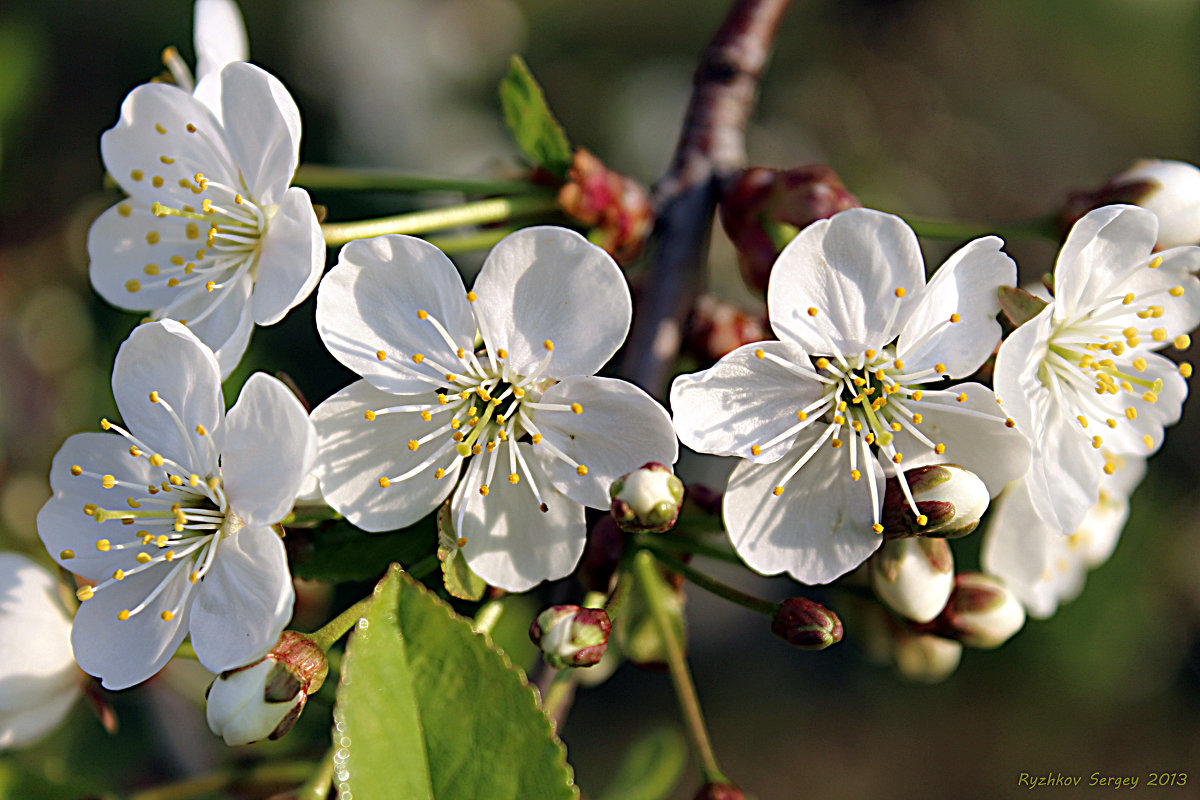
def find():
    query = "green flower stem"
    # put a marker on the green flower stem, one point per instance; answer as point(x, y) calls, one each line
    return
point(319, 783)
point(319, 176)
point(340, 625)
point(559, 694)
point(487, 617)
point(263, 776)
point(681, 678)
point(713, 585)
point(674, 543)
point(480, 212)
point(1039, 228)
point(424, 567)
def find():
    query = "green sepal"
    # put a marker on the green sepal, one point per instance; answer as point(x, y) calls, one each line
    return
point(533, 126)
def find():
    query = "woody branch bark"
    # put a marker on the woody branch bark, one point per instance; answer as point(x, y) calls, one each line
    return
point(711, 147)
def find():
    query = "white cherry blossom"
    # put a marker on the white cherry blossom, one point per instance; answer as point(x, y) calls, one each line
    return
point(219, 37)
point(1084, 377)
point(1042, 567)
point(39, 681)
point(521, 425)
point(211, 233)
point(859, 386)
point(169, 518)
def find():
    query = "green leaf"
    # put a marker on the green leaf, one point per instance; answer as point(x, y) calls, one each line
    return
point(652, 768)
point(534, 128)
point(341, 552)
point(460, 581)
point(1019, 305)
point(429, 710)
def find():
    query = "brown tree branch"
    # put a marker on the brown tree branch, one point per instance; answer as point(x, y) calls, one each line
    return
point(712, 145)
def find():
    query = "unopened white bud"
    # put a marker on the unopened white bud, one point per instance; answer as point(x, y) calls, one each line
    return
point(982, 612)
point(925, 658)
point(647, 499)
point(949, 498)
point(263, 700)
point(913, 576)
point(571, 636)
point(1173, 193)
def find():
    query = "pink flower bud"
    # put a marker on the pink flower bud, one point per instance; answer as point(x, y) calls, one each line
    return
point(571, 636)
point(618, 208)
point(802, 623)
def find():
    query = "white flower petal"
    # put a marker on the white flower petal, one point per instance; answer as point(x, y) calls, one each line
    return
point(23, 728)
point(290, 259)
point(153, 127)
point(547, 283)
point(1017, 548)
point(620, 429)
point(966, 286)
point(353, 454)
point(219, 34)
point(262, 127)
point(974, 433)
point(270, 447)
point(742, 401)
point(221, 319)
point(368, 304)
point(1064, 472)
point(848, 269)
point(167, 358)
point(61, 522)
point(1015, 378)
point(511, 543)
point(244, 602)
point(1179, 314)
point(1097, 256)
point(36, 663)
point(124, 653)
point(130, 272)
point(817, 530)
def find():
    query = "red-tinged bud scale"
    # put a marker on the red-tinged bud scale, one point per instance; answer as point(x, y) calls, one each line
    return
point(571, 636)
point(982, 612)
point(805, 624)
point(647, 499)
point(617, 207)
point(951, 499)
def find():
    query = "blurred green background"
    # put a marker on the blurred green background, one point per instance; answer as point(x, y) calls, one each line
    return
point(938, 108)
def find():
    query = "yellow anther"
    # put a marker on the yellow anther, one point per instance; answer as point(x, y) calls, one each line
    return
point(67, 555)
point(838, 419)
point(917, 395)
point(1097, 442)
point(1159, 334)
point(1182, 342)
point(1109, 468)
point(548, 344)
point(939, 448)
point(760, 354)
point(450, 377)
point(133, 285)
point(169, 555)
point(917, 419)
point(835, 443)
point(384, 483)
point(123, 614)
point(581, 470)
point(84, 593)
point(172, 282)
point(896, 426)
point(755, 450)
point(193, 576)
point(898, 458)
point(119, 575)
point(483, 489)
point(778, 490)
point(868, 354)
point(210, 286)
point(1110, 422)
point(576, 408)
point(855, 474)
point(869, 438)
point(1155, 262)
point(898, 364)
point(939, 368)
point(457, 435)
point(877, 528)
point(461, 541)
point(856, 425)
point(514, 478)
point(1127, 299)
point(1175, 291)
point(190, 128)
point(439, 473)
point(143, 558)
point(1082, 420)
point(193, 479)
point(800, 415)
point(157, 181)
point(822, 363)
point(158, 127)
point(1149, 440)
point(237, 198)
point(922, 520)
point(108, 481)
point(955, 318)
point(132, 503)
point(103, 545)
point(162, 540)
point(442, 399)
point(1157, 311)
point(201, 430)
point(502, 435)
point(1140, 364)
point(413, 444)
point(536, 438)
point(1185, 370)
point(962, 397)
point(1130, 331)
point(417, 358)
point(90, 509)
point(76, 470)
point(137, 174)
point(167, 616)
point(476, 449)
point(472, 297)
point(899, 291)
point(812, 312)
point(380, 354)
point(166, 159)
point(1150, 397)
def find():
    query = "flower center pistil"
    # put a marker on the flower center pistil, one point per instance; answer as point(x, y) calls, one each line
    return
point(483, 407)
point(181, 519)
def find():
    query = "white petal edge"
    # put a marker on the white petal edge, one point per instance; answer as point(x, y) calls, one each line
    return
point(262, 128)
point(290, 260)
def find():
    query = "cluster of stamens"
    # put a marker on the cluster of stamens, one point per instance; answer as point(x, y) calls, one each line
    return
point(179, 521)
point(867, 399)
point(483, 407)
point(1092, 363)
point(218, 240)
